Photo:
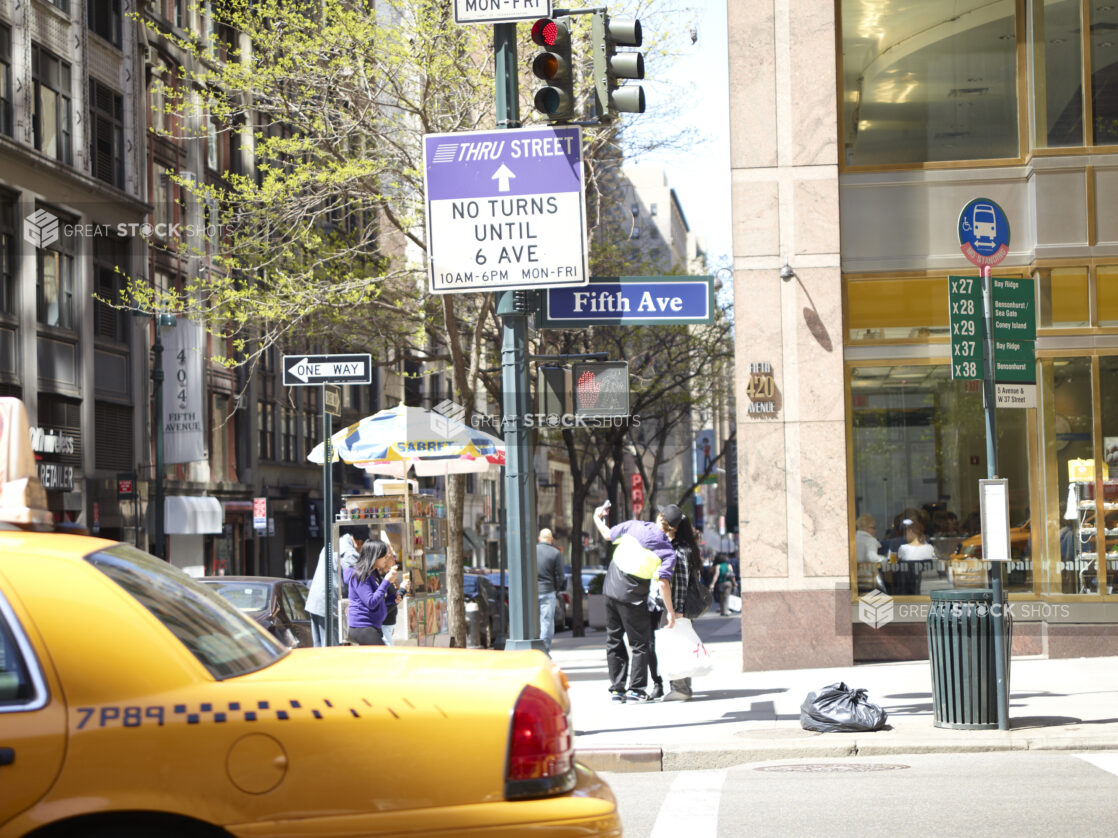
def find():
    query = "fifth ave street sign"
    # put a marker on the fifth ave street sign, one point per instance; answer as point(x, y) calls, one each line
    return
point(307, 370)
point(505, 209)
point(630, 301)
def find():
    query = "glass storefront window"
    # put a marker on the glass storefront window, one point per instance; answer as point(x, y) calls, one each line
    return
point(929, 81)
point(919, 449)
point(897, 309)
point(1106, 294)
point(1104, 72)
point(1106, 538)
point(1068, 422)
point(1058, 58)
point(1063, 298)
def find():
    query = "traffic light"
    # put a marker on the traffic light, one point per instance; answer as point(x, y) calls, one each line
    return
point(553, 388)
point(607, 34)
point(553, 66)
point(600, 388)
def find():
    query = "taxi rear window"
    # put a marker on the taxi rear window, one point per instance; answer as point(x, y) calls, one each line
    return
point(225, 642)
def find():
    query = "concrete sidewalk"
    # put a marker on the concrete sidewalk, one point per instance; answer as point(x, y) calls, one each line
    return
point(737, 717)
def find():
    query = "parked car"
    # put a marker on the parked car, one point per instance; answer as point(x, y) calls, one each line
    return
point(168, 712)
point(279, 605)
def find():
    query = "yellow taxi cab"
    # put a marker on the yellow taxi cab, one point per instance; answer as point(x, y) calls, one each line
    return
point(136, 702)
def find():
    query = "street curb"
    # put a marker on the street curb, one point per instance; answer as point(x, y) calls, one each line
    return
point(621, 760)
point(692, 758)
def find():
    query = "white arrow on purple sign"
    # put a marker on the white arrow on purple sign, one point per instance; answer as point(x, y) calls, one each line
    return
point(505, 209)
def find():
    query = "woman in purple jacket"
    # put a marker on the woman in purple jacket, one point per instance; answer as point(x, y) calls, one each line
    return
point(369, 581)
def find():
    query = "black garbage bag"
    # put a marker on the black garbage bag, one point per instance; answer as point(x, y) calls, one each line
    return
point(839, 709)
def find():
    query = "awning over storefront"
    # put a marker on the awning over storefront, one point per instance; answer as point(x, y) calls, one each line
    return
point(192, 515)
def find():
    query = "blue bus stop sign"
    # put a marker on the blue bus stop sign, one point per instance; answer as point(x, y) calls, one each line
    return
point(983, 232)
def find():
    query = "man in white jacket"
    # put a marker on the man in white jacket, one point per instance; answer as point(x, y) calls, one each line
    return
point(349, 547)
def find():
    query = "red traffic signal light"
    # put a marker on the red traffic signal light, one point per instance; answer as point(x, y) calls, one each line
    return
point(553, 66)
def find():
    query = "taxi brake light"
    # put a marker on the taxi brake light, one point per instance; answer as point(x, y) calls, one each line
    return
point(541, 749)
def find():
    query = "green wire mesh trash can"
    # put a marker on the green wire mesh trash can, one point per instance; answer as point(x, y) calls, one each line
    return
point(961, 653)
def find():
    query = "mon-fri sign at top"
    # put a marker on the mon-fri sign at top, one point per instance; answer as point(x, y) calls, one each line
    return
point(496, 11)
point(505, 209)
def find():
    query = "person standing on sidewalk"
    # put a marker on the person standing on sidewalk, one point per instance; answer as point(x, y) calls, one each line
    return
point(642, 552)
point(688, 563)
point(549, 581)
point(349, 547)
point(724, 584)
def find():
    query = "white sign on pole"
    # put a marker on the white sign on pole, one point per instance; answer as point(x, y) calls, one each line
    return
point(1015, 395)
point(184, 425)
point(497, 11)
point(505, 209)
point(994, 511)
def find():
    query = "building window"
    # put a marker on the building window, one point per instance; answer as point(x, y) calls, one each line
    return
point(62, 5)
point(213, 159)
point(113, 431)
point(161, 81)
point(54, 289)
point(918, 450)
point(5, 80)
point(104, 19)
point(106, 134)
point(220, 429)
point(50, 119)
point(652, 209)
point(266, 430)
point(162, 198)
point(178, 13)
point(7, 254)
point(109, 267)
point(290, 435)
point(928, 83)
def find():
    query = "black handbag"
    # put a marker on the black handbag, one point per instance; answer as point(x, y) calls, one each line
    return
point(698, 599)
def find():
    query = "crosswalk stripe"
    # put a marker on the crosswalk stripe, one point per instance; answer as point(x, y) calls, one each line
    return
point(690, 806)
point(1107, 761)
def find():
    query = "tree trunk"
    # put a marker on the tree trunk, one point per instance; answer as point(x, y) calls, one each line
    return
point(455, 602)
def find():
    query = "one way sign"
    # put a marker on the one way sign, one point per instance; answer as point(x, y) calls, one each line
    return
point(305, 370)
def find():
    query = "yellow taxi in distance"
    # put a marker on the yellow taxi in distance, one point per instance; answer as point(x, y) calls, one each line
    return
point(136, 702)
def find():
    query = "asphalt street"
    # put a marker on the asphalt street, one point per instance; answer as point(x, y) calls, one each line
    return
point(1018, 794)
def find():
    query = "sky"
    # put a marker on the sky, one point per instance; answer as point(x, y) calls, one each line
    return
point(700, 175)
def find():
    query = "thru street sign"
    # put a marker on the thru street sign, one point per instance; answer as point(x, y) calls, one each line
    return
point(498, 11)
point(305, 370)
point(505, 209)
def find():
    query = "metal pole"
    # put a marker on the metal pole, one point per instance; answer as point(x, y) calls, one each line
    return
point(520, 481)
point(997, 568)
point(157, 383)
point(328, 529)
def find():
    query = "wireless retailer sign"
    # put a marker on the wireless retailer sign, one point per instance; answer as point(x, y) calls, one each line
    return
point(505, 209)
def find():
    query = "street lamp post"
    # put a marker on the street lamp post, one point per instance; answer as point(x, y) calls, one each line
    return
point(161, 320)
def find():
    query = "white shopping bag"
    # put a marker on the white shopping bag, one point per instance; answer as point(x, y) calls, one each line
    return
point(680, 653)
point(733, 601)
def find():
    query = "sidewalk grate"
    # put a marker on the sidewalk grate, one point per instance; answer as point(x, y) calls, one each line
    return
point(831, 767)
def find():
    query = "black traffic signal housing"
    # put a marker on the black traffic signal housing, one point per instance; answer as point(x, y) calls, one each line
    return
point(553, 66)
point(553, 390)
point(606, 35)
point(600, 389)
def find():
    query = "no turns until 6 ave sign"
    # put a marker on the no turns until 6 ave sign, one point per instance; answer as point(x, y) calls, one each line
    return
point(505, 209)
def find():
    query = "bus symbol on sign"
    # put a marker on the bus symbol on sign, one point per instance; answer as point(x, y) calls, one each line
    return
point(983, 232)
